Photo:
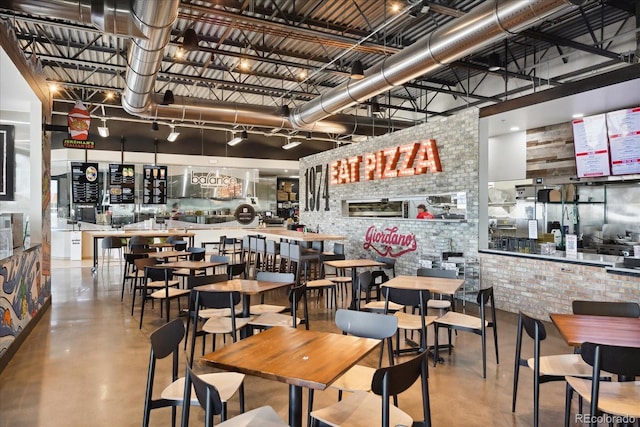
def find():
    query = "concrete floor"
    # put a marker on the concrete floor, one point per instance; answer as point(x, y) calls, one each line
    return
point(86, 362)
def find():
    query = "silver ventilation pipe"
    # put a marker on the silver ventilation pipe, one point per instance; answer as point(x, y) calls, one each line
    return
point(109, 16)
point(155, 20)
point(488, 23)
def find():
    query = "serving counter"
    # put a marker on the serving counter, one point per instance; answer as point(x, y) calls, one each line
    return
point(541, 284)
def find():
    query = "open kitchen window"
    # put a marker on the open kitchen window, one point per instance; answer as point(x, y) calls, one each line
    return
point(443, 207)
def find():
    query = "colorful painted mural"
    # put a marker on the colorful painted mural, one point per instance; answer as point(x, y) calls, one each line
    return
point(22, 294)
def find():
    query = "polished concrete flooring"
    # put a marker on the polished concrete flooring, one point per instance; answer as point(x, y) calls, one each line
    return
point(85, 364)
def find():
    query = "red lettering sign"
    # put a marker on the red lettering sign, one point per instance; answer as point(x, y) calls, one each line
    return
point(405, 160)
point(388, 242)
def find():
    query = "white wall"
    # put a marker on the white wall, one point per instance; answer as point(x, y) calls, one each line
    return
point(508, 157)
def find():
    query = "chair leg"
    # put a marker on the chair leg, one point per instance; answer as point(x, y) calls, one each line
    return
point(567, 404)
point(484, 352)
point(516, 367)
point(310, 407)
point(435, 344)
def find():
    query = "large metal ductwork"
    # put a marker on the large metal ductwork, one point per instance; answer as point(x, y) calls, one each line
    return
point(489, 23)
point(149, 22)
point(109, 16)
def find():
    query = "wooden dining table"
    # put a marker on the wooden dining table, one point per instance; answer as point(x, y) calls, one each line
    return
point(96, 235)
point(192, 266)
point(246, 287)
point(165, 255)
point(353, 264)
point(578, 328)
point(297, 357)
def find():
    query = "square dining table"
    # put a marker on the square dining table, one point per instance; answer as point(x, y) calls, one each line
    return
point(297, 357)
point(192, 266)
point(578, 328)
point(246, 287)
point(353, 264)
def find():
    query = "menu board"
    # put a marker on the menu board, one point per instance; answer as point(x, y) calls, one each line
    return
point(624, 141)
point(84, 182)
point(155, 185)
point(121, 184)
point(591, 146)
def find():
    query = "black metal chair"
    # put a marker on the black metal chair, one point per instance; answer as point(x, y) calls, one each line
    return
point(357, 409)
point(165, 342)
point(210, 399)
point(477, 325)
point(620, 398)
point(545, 368)
point(606, 308)
point(108, 244)
point(439, 303)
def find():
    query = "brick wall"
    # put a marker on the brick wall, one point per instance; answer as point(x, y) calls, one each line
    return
point(457, 141)
point(539, 287)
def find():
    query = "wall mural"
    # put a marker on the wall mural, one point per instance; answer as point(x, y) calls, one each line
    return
point(22, 294)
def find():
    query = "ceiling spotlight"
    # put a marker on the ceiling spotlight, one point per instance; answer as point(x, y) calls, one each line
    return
point(425, 7)
point(493, 62)
point(173, 135)
point(168, 98)
point(291, 144)
point(357, 72)
point(103, 130)
point(190, 40)
point(284, 111)
point(238, 139)
point(375, 109)
point(154, 126)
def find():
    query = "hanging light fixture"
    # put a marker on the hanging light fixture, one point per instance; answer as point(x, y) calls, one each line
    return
point(238, 139)
point(493, 62)
point(190, 40)
point(357, 71)
point(103, 130)
point(291, 144)
point(173, 135)
point(168, 98)
point(154, 126)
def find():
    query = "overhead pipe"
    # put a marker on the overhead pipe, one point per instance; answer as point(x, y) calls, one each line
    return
point(150, 22)
point(109, 16)
point(488, 23)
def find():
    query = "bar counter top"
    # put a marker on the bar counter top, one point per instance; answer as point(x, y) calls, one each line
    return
point(605, 261)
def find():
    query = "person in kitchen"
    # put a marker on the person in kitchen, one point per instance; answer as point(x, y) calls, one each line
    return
point(175, 211)
point(423, 213)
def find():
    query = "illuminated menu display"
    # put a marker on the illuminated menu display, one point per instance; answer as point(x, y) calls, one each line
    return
point(155, 185)
point(591, 146)
point(121, 184)
point(624, 140)
point(84, 183)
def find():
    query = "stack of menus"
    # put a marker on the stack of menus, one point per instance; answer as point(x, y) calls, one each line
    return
point(84, 183)
point(155, 185)
point(121, 184)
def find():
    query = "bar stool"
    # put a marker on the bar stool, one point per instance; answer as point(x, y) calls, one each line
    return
point(109, 243)
point(272, 250)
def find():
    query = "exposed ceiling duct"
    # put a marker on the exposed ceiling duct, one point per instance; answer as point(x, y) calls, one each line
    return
point(109, 16)
point(489, 23)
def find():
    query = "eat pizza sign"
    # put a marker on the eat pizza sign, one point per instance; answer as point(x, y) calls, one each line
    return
point(405, 160)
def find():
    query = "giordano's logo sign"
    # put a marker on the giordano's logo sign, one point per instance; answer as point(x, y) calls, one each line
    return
point(211, 180)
